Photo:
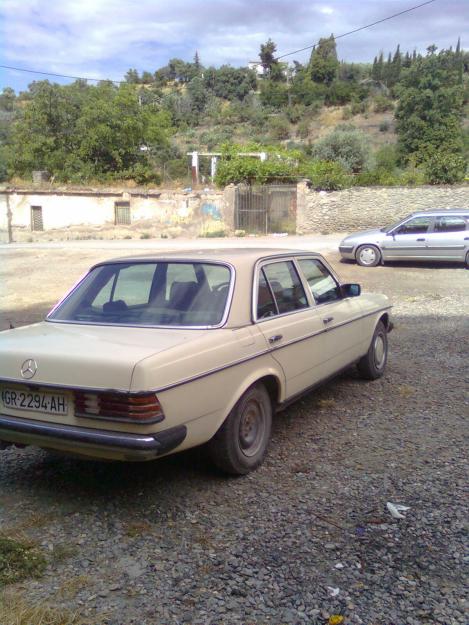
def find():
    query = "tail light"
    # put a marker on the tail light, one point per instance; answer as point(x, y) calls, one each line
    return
point(143, 408)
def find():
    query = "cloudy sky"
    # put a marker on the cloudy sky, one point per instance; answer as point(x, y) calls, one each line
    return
point(104, 38)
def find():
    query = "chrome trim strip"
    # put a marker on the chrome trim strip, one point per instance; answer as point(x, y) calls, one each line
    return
point(223, 321)
point(269, 350)
point(235, 363)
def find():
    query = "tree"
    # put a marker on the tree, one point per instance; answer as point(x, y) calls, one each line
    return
point(267, 55)
point(324, 64)
point(7, 99)
point(132, 77)
point(430, 107)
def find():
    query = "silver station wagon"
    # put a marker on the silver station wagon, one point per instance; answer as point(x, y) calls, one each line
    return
point(440, 235)
point(151, 355)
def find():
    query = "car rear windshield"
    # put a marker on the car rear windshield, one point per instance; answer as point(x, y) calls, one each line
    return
point(188, 294)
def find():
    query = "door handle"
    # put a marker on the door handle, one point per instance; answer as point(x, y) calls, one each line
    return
point(466, 238)
point(328, 319)
point(420, 239)
point(275, 338)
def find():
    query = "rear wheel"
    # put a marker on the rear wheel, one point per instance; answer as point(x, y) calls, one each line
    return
point(373, 363)
point(467, 260)
point(240, 445)
point(368, 256)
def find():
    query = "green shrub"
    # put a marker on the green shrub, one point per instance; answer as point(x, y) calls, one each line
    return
point(252, 170)
point(345, 145)
point(326, 175)
point(384, 126)
point(376, 177)
point(445, 168)
point(382, 104)
point(412, 177)
point(359, 108)
point(386, 158)
point(279, 127)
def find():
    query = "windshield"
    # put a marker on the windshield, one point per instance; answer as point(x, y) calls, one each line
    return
point(149, 294)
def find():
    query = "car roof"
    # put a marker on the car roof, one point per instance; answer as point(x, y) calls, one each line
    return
point(235, 255)
point(441, 211)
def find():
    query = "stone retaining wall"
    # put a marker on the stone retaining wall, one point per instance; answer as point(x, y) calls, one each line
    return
point(368, 207)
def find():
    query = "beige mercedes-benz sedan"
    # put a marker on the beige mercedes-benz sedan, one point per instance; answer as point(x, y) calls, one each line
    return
point(151, 355)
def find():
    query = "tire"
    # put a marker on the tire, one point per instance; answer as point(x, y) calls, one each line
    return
point(240, 445)
point(467, 261)
point(373, 363)
point(368, 256)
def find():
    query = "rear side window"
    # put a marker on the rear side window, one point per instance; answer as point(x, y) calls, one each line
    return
point(322, 284)
point(450, 224)
point(280, 290)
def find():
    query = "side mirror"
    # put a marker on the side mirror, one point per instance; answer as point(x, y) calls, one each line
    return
point(350, 290)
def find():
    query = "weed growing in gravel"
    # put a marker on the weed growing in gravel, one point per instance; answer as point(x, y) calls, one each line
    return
point(15, 611)
point(19, 561)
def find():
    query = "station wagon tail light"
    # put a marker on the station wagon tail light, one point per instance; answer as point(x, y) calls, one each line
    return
point(119, 406)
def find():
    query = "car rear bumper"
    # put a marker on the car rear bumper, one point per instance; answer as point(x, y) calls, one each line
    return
point(88, 441)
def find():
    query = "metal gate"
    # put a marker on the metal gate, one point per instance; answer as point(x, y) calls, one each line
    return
point(265, 209)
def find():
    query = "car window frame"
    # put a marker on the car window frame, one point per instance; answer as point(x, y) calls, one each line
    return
point(255, 290)
point(394, 232)
point(332, 274)
point(463, 217)
point(224, 318)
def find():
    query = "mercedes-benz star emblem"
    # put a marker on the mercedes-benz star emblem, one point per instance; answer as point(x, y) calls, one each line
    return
point(28, 369)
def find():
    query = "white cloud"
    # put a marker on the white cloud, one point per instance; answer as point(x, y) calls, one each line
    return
point(103, 38)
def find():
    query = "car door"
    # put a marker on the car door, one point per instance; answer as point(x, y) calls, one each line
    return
point(290, 322)
point(342, 317)
point(408, 241)
point(449, 238)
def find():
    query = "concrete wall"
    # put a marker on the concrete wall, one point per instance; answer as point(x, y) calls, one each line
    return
point(363, 207)
point(194, 212)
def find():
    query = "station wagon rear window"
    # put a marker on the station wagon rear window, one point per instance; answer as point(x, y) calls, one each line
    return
point(179, 294)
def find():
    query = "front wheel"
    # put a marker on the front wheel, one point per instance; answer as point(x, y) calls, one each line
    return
point(368, 256)
point(240, 445)
point(373, 363)
point(467, 260)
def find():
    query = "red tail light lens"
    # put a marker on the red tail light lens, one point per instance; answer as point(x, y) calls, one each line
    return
point(119, 406)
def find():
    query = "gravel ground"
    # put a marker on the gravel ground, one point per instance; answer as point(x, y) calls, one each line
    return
point(305, 537)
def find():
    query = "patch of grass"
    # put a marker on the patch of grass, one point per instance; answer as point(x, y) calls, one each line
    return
point(19, 560)
point(145, 235)
point(14, 610)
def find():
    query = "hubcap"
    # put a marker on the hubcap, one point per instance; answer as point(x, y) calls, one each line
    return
point(380, 351)
point(251, 428)
point(368, 255)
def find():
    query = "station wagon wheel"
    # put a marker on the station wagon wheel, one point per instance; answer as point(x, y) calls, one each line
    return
point(368, 256)
point(240, 445)
point(373, 363)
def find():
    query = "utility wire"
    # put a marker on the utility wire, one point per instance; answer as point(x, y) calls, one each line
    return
point(120, 82)
point(32, 71)
point(356, 30)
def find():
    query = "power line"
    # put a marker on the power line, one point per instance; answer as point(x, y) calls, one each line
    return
point(120, 82)
point(32, 71)
point(356, 30)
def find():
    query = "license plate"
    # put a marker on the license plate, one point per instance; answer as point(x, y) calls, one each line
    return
point(35, 401)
